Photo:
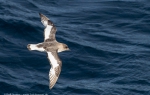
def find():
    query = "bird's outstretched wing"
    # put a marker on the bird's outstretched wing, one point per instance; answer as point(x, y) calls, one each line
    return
point(55, 68)
point(50, 29)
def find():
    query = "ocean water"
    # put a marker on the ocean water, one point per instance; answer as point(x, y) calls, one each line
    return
point(109, 42)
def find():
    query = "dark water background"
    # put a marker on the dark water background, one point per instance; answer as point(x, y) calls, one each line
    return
point(109, 42)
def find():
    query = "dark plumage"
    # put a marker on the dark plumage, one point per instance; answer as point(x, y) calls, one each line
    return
point(52, 47)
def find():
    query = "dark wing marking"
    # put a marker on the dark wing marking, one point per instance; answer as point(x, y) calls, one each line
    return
point(50, 30)
point(55, 68)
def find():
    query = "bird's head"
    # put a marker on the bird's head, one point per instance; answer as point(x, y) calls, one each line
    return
point(63, 47)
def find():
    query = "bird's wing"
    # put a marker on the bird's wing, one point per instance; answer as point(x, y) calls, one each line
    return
point(55, 67)
point(50, 29)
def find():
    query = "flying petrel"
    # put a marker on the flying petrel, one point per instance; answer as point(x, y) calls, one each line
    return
point(52, 47)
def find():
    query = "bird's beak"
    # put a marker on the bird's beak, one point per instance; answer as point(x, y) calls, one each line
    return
point(69, 49)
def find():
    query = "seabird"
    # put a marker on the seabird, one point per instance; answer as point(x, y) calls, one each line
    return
point(52, 47)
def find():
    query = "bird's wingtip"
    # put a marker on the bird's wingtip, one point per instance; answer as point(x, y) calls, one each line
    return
point(40, 14)
point(50, 87)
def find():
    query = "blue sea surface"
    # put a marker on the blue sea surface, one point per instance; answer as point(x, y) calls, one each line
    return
point(109, 42)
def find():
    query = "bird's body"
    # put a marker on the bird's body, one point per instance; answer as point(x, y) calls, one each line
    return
point(52, 47)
